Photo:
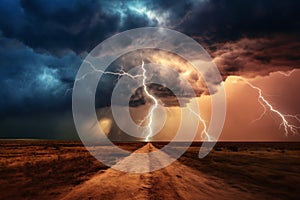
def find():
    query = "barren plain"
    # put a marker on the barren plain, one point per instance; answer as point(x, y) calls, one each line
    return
point(37, 169)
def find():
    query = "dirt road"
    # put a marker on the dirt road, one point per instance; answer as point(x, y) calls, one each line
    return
point(176, 181)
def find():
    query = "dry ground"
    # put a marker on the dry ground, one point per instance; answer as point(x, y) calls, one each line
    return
point(65, 170)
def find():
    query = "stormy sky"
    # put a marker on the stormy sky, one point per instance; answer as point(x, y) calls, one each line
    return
point(43, 43)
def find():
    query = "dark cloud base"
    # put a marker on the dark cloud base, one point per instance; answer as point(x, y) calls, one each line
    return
point(42, 44)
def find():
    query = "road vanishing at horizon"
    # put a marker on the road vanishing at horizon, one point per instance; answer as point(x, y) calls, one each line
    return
point(176, 181)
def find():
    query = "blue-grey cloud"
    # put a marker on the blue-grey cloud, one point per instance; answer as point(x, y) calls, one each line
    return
point(42, 44)
point(229, 20)
point(33, 81)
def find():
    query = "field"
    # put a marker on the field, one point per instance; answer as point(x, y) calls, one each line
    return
point(36, 169)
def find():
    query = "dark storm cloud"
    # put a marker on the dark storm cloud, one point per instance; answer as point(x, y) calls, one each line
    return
point(32, 81)
point(258, 56)
point(42, 43)
point(80, 25)
point(247, 38)
point(57, 26)
point(167, 83)
point(233, 19)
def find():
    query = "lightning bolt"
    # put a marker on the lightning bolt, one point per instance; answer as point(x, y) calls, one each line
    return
point(152, 108)
point(148, 131)
point(150, 115)
point(94, 69)
point(287, 126)
point(204, 133)
point(119, 74)
point(287, 74)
